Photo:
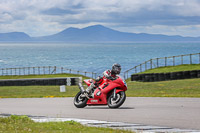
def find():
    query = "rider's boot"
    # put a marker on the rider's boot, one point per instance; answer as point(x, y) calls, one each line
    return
point(88, 90)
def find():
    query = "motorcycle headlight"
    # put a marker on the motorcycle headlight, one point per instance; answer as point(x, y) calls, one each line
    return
point(98, 93)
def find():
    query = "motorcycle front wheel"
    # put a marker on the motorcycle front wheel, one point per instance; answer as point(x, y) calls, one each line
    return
point(118, 101)
point(80, 102)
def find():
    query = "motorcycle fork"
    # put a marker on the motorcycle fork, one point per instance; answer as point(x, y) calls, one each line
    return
point(114, 95)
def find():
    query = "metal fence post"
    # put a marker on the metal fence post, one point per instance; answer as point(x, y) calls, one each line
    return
point(165, 61)
point(181, 59)
point(39, 70)
point(199, 58)
point(24, 71)
point(28, 70)
point(55, 69)
point(190, 58)
point(62, 70)
point(173, 60)
point(34, 70)
point(157, 62)
point(145, 65)
point(44, 70)
point(49, 70)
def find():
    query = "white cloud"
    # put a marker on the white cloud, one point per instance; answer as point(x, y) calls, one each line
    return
point(44, 17)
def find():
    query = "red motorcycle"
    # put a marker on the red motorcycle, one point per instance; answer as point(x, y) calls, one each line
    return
point(109, 92)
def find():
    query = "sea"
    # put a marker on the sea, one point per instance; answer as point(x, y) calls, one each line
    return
point(89, 57)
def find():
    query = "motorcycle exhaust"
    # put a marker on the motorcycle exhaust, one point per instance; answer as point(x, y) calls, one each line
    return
point(83, 90)
point(81, 87)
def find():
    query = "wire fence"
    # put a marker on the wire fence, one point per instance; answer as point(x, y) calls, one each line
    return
point(43, 70)
point(150, 64)
point(163, 62)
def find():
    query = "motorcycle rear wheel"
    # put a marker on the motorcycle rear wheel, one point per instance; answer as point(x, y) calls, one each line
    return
point(80, 102)
point(116, 103)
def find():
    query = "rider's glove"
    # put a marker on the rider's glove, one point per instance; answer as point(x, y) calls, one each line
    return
point(98, 80)
point(107, 73)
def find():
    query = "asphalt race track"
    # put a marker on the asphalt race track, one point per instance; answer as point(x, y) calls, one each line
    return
point(183, 113)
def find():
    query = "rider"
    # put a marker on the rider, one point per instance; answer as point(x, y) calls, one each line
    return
point(109, 74)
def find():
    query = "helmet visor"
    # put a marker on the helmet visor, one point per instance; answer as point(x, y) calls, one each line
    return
point(117, 70)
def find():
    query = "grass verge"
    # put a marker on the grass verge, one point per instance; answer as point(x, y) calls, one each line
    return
point(23, 124)
point(174, 88)
point(36, 91)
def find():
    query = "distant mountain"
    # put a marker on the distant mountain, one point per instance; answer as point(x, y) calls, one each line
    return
point(91, 33)
point(14, 37)
point(96, 33)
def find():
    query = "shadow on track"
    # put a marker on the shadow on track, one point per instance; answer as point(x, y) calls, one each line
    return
point(100, 107)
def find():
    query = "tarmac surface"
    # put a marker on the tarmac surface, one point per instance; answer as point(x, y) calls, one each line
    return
point(181, 113)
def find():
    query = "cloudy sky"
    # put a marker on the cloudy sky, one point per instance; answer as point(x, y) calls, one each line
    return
point(45, 17)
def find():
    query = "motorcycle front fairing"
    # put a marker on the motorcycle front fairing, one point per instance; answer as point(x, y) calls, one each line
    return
point(100, 94)
point(111, 84)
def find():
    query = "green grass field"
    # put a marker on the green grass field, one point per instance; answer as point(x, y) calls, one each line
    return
point(23, 124)
point(36, 91)
point(174, 88)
